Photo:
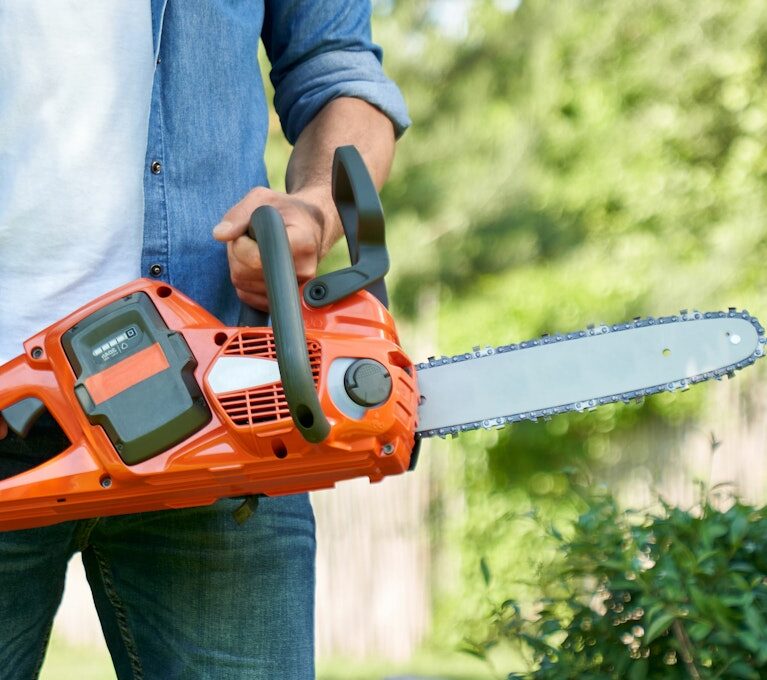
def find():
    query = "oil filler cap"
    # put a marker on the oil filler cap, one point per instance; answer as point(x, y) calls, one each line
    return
point(367, 382)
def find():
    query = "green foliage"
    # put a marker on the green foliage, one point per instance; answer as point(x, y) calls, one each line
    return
point(586, 144)
point(671, 594)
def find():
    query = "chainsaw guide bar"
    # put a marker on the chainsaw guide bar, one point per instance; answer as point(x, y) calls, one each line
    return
point(539, 378)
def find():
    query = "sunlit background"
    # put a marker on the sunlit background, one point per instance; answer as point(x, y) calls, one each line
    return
point(569, 163)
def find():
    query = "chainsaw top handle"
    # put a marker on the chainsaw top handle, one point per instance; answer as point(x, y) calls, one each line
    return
point(359, 207)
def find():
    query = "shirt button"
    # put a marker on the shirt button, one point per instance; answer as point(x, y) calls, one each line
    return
point(156, 167)
point(155, 270)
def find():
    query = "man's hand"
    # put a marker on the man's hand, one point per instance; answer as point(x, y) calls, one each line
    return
point(311, 226)
point(310, 216)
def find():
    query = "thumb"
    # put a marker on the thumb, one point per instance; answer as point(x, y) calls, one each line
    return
point(237, 219)
point(227, 231)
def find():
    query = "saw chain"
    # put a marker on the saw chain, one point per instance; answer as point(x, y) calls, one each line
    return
point(478, 353)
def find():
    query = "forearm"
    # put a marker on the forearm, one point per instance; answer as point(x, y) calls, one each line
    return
point(342, 121)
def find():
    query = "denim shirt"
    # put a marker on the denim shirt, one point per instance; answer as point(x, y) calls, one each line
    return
point(209, 119)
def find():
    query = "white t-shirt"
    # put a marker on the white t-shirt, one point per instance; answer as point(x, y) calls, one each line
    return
point(75, 89)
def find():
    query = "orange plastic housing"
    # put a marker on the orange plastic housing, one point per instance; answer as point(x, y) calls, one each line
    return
point(250, 446)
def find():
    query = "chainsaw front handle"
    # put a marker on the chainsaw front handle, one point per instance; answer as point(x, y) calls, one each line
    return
point(268, 230)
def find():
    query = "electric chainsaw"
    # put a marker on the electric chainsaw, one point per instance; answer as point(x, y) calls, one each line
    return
point(165, 407)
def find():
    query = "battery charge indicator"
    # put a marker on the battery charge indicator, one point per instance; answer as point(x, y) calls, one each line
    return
point(117, 343)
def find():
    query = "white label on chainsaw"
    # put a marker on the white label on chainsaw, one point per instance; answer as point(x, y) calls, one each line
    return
point(241, 373)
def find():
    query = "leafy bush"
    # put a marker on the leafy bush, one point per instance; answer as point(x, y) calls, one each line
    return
point(668, 594)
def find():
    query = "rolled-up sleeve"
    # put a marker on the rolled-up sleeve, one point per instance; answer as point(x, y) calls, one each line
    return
point(323, 50)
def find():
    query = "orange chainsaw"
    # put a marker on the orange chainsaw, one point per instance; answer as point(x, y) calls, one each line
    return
point(165, 407)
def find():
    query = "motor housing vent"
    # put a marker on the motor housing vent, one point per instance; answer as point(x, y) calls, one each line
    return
point(265, 403)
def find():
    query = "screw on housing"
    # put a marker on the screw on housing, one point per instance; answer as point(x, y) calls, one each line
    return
point(318, 291)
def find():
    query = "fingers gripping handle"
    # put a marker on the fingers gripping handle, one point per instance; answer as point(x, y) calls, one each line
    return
point(268, 230)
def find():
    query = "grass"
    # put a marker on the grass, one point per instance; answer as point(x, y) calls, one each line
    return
point(446, 666)
point(64, 662)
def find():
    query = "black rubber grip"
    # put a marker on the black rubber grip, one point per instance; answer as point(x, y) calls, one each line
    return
point(268, 230)
point(359, 208)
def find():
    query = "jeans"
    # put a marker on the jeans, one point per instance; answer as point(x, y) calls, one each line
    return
point(180, 593)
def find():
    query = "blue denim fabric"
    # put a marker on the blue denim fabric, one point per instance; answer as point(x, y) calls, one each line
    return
point(181, 594)
point(208, 121)
point(189, 593)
